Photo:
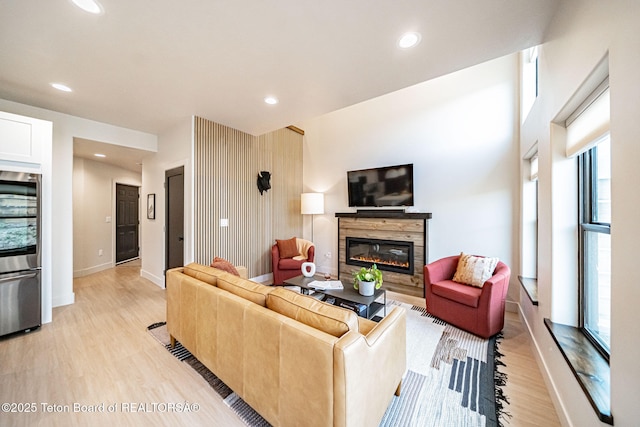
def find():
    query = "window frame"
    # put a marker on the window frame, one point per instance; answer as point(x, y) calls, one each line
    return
point(588, 199)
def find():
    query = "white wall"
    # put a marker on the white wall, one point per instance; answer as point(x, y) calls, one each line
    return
point(59, 186)
point(460, 132)
point(583, 32)
point(175, 148)
point(94, 185)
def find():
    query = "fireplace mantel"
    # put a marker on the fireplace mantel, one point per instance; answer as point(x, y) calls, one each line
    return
point(393, 225)
point(384, 214)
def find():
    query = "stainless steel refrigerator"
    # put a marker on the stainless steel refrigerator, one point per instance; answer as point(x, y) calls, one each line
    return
point(20, 260)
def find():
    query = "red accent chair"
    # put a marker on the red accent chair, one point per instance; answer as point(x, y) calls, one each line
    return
point(286, 268)
point(476, 310)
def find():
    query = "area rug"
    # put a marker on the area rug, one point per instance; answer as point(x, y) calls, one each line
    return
point(452, 377)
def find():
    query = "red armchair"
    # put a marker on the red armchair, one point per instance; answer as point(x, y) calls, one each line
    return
point(286, 268)
point(476, 310)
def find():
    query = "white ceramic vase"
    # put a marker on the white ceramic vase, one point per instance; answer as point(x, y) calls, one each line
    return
point(366, 288)
point(308, 269)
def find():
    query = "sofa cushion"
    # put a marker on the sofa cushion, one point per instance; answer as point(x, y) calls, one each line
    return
point(204, 273)
point(458, 292)
point(224, 265)
point(317, 314)
point(474, 270)
point(287, 248)
point(252, 291)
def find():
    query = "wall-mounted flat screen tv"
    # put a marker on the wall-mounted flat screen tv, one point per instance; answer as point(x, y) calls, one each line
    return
point(377, 187)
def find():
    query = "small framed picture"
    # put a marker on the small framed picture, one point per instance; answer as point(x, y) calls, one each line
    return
point(151, 206)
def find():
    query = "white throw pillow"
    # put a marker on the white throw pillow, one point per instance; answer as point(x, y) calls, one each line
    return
point(474, 270)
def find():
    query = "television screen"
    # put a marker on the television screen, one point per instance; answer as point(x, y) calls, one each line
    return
point(385, 186)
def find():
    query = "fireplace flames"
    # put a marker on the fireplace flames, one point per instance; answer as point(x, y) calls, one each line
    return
point(382, 261)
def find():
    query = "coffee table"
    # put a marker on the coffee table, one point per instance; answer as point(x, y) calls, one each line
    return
point(347, 295)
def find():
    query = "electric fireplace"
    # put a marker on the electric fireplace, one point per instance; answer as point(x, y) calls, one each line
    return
point(390, 255)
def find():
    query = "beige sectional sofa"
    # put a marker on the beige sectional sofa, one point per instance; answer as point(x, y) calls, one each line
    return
point(297, 361)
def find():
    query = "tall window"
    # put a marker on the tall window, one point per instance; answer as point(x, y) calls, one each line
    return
point(529, 82)
point(530, 219)
point(595, 243)
point(588, 138)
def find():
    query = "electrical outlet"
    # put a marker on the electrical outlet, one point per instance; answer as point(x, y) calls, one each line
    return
point(328, 255)
point(224, 222)
point(99, 252)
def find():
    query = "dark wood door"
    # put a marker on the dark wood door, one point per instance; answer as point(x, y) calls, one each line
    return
point(174, 226)
point(127, 203)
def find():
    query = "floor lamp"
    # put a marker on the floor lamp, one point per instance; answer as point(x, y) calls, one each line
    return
point(312, 204)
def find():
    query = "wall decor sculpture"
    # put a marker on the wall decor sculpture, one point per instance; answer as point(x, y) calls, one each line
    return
point(263, 181)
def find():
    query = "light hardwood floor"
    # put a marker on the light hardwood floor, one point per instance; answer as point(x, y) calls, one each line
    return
point(98, 352)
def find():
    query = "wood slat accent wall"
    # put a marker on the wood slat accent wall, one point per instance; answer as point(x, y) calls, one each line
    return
point(226, 166)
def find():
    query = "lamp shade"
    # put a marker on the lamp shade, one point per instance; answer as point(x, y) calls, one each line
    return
point(312, 203)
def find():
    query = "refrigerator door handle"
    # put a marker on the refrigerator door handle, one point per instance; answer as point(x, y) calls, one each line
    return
point(22, 276)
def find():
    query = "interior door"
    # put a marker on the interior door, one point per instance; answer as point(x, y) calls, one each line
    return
point(127, 202)
point(174, 225)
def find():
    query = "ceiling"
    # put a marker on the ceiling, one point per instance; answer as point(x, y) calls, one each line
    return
point(123, 157)
point(147, 65)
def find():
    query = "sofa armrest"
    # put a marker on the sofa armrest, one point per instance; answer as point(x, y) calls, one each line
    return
point(172, 284)
point(368, 370)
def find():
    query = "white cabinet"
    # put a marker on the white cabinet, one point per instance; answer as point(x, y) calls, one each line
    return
point(24, 139)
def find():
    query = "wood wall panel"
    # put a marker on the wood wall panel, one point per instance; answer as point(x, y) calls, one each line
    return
point(411, 230)
point(226, 166)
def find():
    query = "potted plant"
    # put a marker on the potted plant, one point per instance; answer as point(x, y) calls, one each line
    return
point(366, 280)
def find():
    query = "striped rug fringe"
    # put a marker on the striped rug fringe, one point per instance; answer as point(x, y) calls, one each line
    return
point(155, 325)
point(500, 381)
point(179, 351)
point(245, 412)
point(216, 383)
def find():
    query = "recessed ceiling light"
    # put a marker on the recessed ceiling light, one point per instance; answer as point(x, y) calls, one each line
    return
point(271, 100)
point(409, 40)
point(91, 6)
point(100, 155)
point(61, 87)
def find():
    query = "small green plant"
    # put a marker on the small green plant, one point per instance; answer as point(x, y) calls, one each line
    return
point(371, 274)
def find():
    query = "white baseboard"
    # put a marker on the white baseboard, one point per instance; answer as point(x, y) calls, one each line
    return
point(158, 281)
point(546, 375)
point(91, 270)
point(63, 300)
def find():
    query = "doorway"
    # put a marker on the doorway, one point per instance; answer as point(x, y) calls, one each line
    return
point(174, 221)
point(127, 222)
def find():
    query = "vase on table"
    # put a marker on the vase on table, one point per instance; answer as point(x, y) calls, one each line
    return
point(308, 269)
point(366, 289)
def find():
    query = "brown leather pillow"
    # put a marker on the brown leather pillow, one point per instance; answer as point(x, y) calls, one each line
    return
point(224, 265)
point(288, 248)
